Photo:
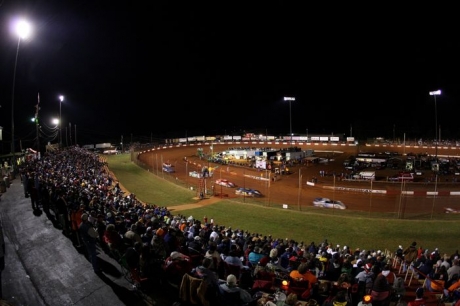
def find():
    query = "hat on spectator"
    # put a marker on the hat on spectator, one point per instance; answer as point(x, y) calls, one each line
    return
point(177, 255)
point(197, 238)
point(368, 266)
point(84, 217)
point(263, 262)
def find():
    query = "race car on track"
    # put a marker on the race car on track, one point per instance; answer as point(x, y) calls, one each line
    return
point(225, 183)
point(328, 203)
point(195, 174)
point(168, 169)
point(248, 192)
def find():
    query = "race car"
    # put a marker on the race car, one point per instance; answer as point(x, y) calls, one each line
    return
point(195, 174)
point(328, 203)
point(248, 192)
point(225, 183)
point(168, 169)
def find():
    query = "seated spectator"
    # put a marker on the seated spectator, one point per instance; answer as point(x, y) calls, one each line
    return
point(274, 263)
point(255, 256)
point(340, 299)
point(132, 234)
point(292, 300)
point(175, 266)
point(147, 236)
point(133, 254)
point(435, 283)
point(381, 290)
point(158, 248)
point(231, 294)
point(212, 254)
point(303, 273)
point(419, 300)
point(232, 259)
point(365, 280)
point(195, 247)
point(210, 279)
point(262, 270)
point(284, 258)
point(454, 269)
point(390, 276)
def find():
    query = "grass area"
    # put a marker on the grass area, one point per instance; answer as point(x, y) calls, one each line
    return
point(348, 228)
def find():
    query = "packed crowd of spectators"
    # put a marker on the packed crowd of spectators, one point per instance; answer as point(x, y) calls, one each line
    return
point(74, 187)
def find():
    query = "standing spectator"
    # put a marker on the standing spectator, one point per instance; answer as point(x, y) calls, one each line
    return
point(113, 240)
point(2, 258)
point(89, 237)
point(63, 212)
point(45, 198)
point(410, 255)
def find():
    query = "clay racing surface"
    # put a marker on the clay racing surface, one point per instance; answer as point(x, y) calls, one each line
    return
point(424, 195)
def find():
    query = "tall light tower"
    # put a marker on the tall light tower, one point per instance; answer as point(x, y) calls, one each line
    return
point(290, 114)
point(22, 29)
point(436, 93)
point(61, 98)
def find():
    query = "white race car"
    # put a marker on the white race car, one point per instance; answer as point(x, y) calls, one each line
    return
point(225, 183)
point(195, 174)
point(328, 203)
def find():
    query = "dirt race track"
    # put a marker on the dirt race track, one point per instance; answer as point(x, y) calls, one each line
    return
point(419, 197)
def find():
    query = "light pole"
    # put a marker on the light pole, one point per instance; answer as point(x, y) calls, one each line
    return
point(22, 29)
point(290, 114)
point(61, 98)
point(436, 93)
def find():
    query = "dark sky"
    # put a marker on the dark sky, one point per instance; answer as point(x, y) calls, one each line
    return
point(143, 70)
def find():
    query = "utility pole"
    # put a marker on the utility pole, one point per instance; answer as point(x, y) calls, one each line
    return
point(37, 107)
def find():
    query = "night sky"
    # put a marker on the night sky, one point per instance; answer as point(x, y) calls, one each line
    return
point(143, 71)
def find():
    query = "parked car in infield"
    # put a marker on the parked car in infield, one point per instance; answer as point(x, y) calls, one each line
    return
point(328, 203)
point(248, 192)
point(225, 183)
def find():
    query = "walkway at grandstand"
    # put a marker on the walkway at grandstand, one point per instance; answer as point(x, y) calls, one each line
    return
point(43, 267)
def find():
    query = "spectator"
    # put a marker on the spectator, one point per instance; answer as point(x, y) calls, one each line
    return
point(132, 236)
point(455, 269)
point(63, 212)
point(175, 266)
point(419, 300)
point(232, 259)
point(113, 240)
point(304, 274)
point(212, 254)
point(132, 255)
point(410, 255)
point(381, 290)
point(390, 276)
point(231, 294)
point(89, 236)
point(2, 258)
point(340, 299)
point(255, 256)
point(365, 280)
